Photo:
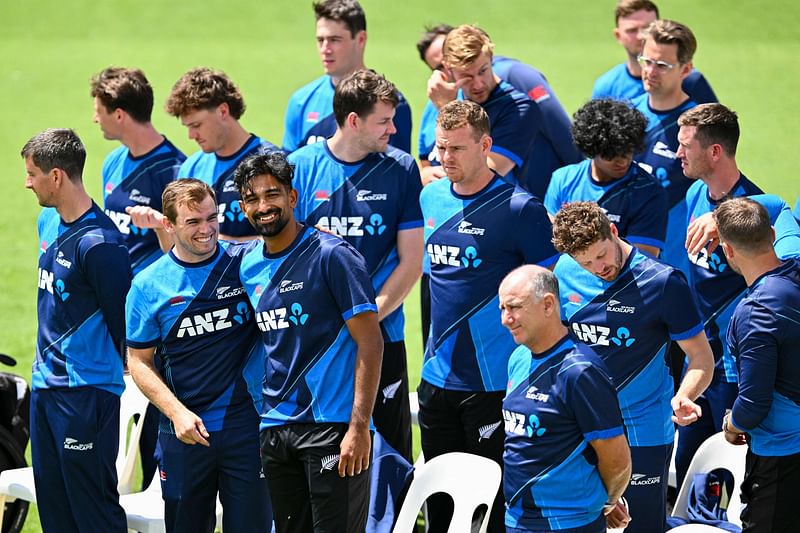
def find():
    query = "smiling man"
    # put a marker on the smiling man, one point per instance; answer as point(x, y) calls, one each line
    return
point(341, 32)
point(209, 104)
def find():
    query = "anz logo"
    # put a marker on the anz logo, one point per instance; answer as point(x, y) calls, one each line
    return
point(213, 321)
point(123, 223)
point(601, 335)
point(519, 424)
point(231, 213)
point(713, 262)
point(49, 283)
point(442, 254)
point(277, 318)
point(352, 226)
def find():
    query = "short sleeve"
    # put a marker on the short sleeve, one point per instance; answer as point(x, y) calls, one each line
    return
point(535, 234)
point(593, 400)
point(679, 308)
point(349, 282)
point(141, 325)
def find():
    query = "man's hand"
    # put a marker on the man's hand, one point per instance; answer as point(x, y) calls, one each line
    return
point(441, 90)
point(354, 452)
point(685, 410)
point(143, 216)
point(432, 173)
point(731, 434)
point(189, 428)
point(702, 231)
point(617, 517)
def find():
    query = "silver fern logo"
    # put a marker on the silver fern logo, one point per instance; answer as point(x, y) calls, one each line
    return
point(488, 430)
point(390, 390)
point(329, 462)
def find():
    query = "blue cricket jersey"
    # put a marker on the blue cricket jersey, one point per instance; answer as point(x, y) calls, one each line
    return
point(130, 181)
point(198, 319)
point(218, 171)
point(620, 84)
point(302, 297)
point(661, 160)
point(764, 338)
point(366, 203)
point(636, 203)
point(629, 322)
point(84, 274)
point(472, 243)
point(556, 403)
point(309, 117)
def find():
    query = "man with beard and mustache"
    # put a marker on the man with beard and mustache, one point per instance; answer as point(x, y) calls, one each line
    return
point(316, 310)
point(356, 186)
point(629, 307)
point(190, 309)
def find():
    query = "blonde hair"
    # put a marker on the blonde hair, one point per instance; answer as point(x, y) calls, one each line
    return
point(464, 45)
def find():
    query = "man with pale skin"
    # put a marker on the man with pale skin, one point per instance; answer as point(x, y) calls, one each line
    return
point(315, 307)
point(574, 407)
point(629, 307)
point(205, 373)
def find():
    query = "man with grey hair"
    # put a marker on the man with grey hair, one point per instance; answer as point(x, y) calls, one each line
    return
point(562, 419)
point(84, 275)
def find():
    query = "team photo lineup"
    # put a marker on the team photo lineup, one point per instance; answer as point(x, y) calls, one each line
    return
point(589, 303)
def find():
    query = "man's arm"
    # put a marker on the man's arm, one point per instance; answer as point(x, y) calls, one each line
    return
point(108, 270)
point(405, 274)
point(695, 381)
point(355, 449)
point(614, 466)
point(143, 216)
point(429, 173)
point(189, 427)
point(500, 163)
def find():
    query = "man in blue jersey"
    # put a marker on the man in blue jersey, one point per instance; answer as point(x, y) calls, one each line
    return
point(210, 105)
point(629, 307)
point(764, 337)
point(341, 31)
point(552, 149)
point(190, 309)
point(666, 60)
point(515, 121)
point(624, 82)
point(477, 229)
point(566, 457)
point(136, 173)
point(358, 187)
point(315, 307)
point(609, 132)
point(84, 274)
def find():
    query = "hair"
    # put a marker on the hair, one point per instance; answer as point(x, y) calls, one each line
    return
point(464, 44)
point(348, 12)
point(126, 89)
point(671, 32)
point(744, 224)
point(430, 35)
point(186, 191)
point(715, 124)
point(57, 148)
point(626, 8)
point(578, 225)
point(459, 113)
point(539, 281)
point(359, 92)
point(203, 88)
point(608, 128)
point(270, 164)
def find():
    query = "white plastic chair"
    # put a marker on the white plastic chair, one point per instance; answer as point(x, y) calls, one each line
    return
point(715, 452)
point(469, 479)
point(413, 404)
point(18, 483)
point(696, 528)
point(672, 477)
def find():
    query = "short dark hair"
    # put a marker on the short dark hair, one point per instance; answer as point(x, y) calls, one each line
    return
point(430, 35)
point(744, 224)
point(359, 92)
point(185, 191)
point(459, 113)
point(272, 163)
point(203, 88)
point(578, 225)
point(608, 128)
point(349, 12)
point(715, 124)
point(57, 148)
point(126, 89)
point(671, 32)
point(626, 8)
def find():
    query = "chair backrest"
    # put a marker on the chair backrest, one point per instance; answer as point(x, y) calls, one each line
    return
point(132, 404)
point(715, 452)
point(696, 528)
point(469, 479)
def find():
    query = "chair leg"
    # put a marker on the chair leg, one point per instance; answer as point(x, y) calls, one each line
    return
point(2, 506)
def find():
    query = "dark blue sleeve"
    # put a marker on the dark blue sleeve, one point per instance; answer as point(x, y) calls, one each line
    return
point(787, 228)
point(411, 213)
point(698, 89)
point(349, 282)
point(535, 234)
point(593, 400)
point(402, 123)
point(108, 270)
point(752, 338)
point(679, 308)
point(649, 224)
point(514, 129)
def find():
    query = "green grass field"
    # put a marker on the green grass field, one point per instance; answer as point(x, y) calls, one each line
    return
point(50, 49)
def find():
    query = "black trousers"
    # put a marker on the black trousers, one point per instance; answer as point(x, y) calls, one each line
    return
point(770, 492)
point(392, 413)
